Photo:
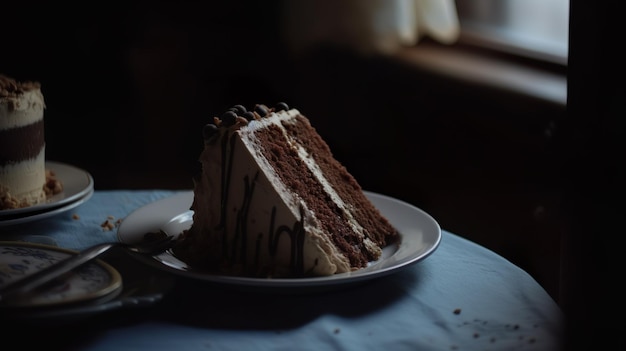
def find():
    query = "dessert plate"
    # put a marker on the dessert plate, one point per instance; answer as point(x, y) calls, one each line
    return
point(76, 184)
point(420, 235)
point(94, 280)
point(141, 287)
point(45, 213)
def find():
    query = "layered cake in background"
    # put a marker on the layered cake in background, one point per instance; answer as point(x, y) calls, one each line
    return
point(272, 201)
point(24, 181)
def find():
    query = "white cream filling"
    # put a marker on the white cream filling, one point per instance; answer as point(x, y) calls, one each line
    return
point(28, 109)
point(24, 181)
point(311, 165)
point(320, 254)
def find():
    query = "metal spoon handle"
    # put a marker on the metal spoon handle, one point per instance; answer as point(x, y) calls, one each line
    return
point(53, 271)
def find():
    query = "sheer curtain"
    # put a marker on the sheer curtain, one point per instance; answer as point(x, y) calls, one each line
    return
point(368, 26)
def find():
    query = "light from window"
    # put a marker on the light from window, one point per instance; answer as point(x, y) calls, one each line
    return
point(533, 28)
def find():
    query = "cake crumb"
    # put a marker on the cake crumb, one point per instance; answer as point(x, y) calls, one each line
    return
point(107, 225)
point(110, 223)
point(9, 202)
point(75, 216)
point(457, 311)
point(52, 186)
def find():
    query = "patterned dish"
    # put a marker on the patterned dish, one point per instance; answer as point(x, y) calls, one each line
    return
point(93, 280)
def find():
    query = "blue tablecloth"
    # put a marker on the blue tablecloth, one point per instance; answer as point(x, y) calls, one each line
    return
point(462, 297)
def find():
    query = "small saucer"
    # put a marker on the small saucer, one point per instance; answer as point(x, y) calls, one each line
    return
point(77, 183)
point(95, 280)
point(30, 217)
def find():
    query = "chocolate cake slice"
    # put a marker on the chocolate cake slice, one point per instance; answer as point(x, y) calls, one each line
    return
point(272, 201)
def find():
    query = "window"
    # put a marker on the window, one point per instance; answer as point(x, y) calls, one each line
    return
point(520, 46)
point(536, 29)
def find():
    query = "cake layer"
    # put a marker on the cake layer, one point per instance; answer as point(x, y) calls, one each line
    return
point(343, 183)
point(22, 183)
point(293, 165)
point(21, 143)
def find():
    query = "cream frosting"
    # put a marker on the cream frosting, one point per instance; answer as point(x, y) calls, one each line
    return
point(269, 195)
point(249, 220)
point(23, 182)
point(24, 109)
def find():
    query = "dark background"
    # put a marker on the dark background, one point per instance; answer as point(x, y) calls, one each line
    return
point(128, 88)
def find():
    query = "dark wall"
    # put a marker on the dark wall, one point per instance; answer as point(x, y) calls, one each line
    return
point(129, 86)
point(594, 177)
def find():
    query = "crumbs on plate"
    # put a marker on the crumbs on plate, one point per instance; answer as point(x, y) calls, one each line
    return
point(52, 185)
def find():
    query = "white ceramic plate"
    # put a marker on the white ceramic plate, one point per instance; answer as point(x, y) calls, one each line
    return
point(45, 213)
point(76, 184)
point(420, 236)
point(94, 280)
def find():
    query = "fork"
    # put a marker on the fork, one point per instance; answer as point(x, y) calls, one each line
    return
point(55, 270)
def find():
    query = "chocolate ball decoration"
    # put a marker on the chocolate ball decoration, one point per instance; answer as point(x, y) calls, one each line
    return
point(281, 106)
point(209, 131)
point(249, 115)
point(239, 109)
point(228, 118)
point(261, 110)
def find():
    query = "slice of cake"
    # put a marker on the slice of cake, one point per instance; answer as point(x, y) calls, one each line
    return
point(272, 201)
point(22, 144)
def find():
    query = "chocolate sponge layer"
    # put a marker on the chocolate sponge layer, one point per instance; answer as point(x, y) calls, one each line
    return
point(21, 143)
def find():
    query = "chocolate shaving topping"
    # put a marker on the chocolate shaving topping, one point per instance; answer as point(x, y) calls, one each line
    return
point(10, 87)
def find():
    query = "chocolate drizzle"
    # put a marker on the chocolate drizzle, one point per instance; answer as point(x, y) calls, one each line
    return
point(241, 226)
point(227, 169)
point(296, 238)
point(235, 251)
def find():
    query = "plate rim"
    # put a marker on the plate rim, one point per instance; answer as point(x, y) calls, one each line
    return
point(47, 212)
point(307, 282)
point(52, 202)
point(110, 290)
